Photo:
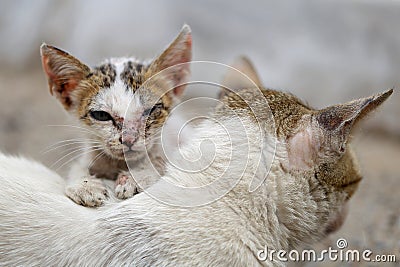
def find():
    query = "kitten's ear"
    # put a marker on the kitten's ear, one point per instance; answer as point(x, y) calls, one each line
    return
point(64, 72)
point(234, 78)
point(326, 134)
point(176, 54)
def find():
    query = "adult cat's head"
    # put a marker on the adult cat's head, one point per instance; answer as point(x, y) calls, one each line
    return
point(317, 172)
point(100, 96)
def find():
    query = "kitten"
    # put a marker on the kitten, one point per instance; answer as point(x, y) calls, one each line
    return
point(313, 175)
point(99, 97)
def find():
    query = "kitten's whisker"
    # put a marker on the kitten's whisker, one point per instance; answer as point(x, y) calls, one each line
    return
point(169, 132)
point(156, 143)
point(68, 154)
point(77, 156)
point(71, 140)
point(76, 127)
point(65, 150)
point(87, 133)
point(86, 145)
point(157, 132)
point(70, 144)
point(65, 141)
point(69, 125)
point(152, 139)
point(96, 158)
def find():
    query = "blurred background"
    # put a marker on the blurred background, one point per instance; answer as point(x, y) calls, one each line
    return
point(325, 52)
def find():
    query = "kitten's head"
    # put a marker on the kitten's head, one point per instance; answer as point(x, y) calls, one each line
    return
point(316, 150)
point(100, 96)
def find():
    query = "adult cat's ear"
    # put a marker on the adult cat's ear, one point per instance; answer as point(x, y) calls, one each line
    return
point(338, 121)
point(241, 75)
point(177, 54)
point(325, 135)
point(64, 72)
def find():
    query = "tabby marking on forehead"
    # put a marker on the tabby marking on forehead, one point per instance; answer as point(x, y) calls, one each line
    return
point(129, 70)
point(107, 72)
point(133, 74)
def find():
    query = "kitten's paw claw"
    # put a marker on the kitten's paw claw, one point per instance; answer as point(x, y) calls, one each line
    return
point(126, 186)
point(89, 193)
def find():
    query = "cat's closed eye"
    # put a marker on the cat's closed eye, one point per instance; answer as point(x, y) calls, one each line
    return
point(100, 115)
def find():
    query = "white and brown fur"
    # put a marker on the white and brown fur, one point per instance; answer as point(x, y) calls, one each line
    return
point(313, 175)
point(121, 135)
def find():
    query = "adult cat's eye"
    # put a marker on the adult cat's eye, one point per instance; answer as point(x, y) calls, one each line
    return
point(100, 115)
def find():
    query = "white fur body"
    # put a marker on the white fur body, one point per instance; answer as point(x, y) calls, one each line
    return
point(39, 226)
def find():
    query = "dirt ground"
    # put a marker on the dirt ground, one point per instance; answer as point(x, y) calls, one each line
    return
point(27, 111)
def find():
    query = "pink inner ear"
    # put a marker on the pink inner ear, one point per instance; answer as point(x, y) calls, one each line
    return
point(68, 87)
point(178, 91)
point(182, 56)
point(179, 53)
point(63, 88)
point(50, 75)
point(302, 150)
point(188, 42)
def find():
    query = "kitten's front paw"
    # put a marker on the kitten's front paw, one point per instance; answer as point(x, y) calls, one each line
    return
point(89, 192)
point(126, 186)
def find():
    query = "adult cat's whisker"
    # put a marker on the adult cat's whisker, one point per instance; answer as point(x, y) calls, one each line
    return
point(77, 156)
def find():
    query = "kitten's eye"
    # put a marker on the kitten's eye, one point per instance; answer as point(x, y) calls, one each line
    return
point(148, 111)
point(101, 115)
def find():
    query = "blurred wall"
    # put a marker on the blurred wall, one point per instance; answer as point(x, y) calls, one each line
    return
point(323, 51)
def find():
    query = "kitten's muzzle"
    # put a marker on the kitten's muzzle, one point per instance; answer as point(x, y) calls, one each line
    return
point(128, 142)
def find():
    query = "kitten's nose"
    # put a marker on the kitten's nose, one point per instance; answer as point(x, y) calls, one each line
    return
point(128, 140)
point(130, 134)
